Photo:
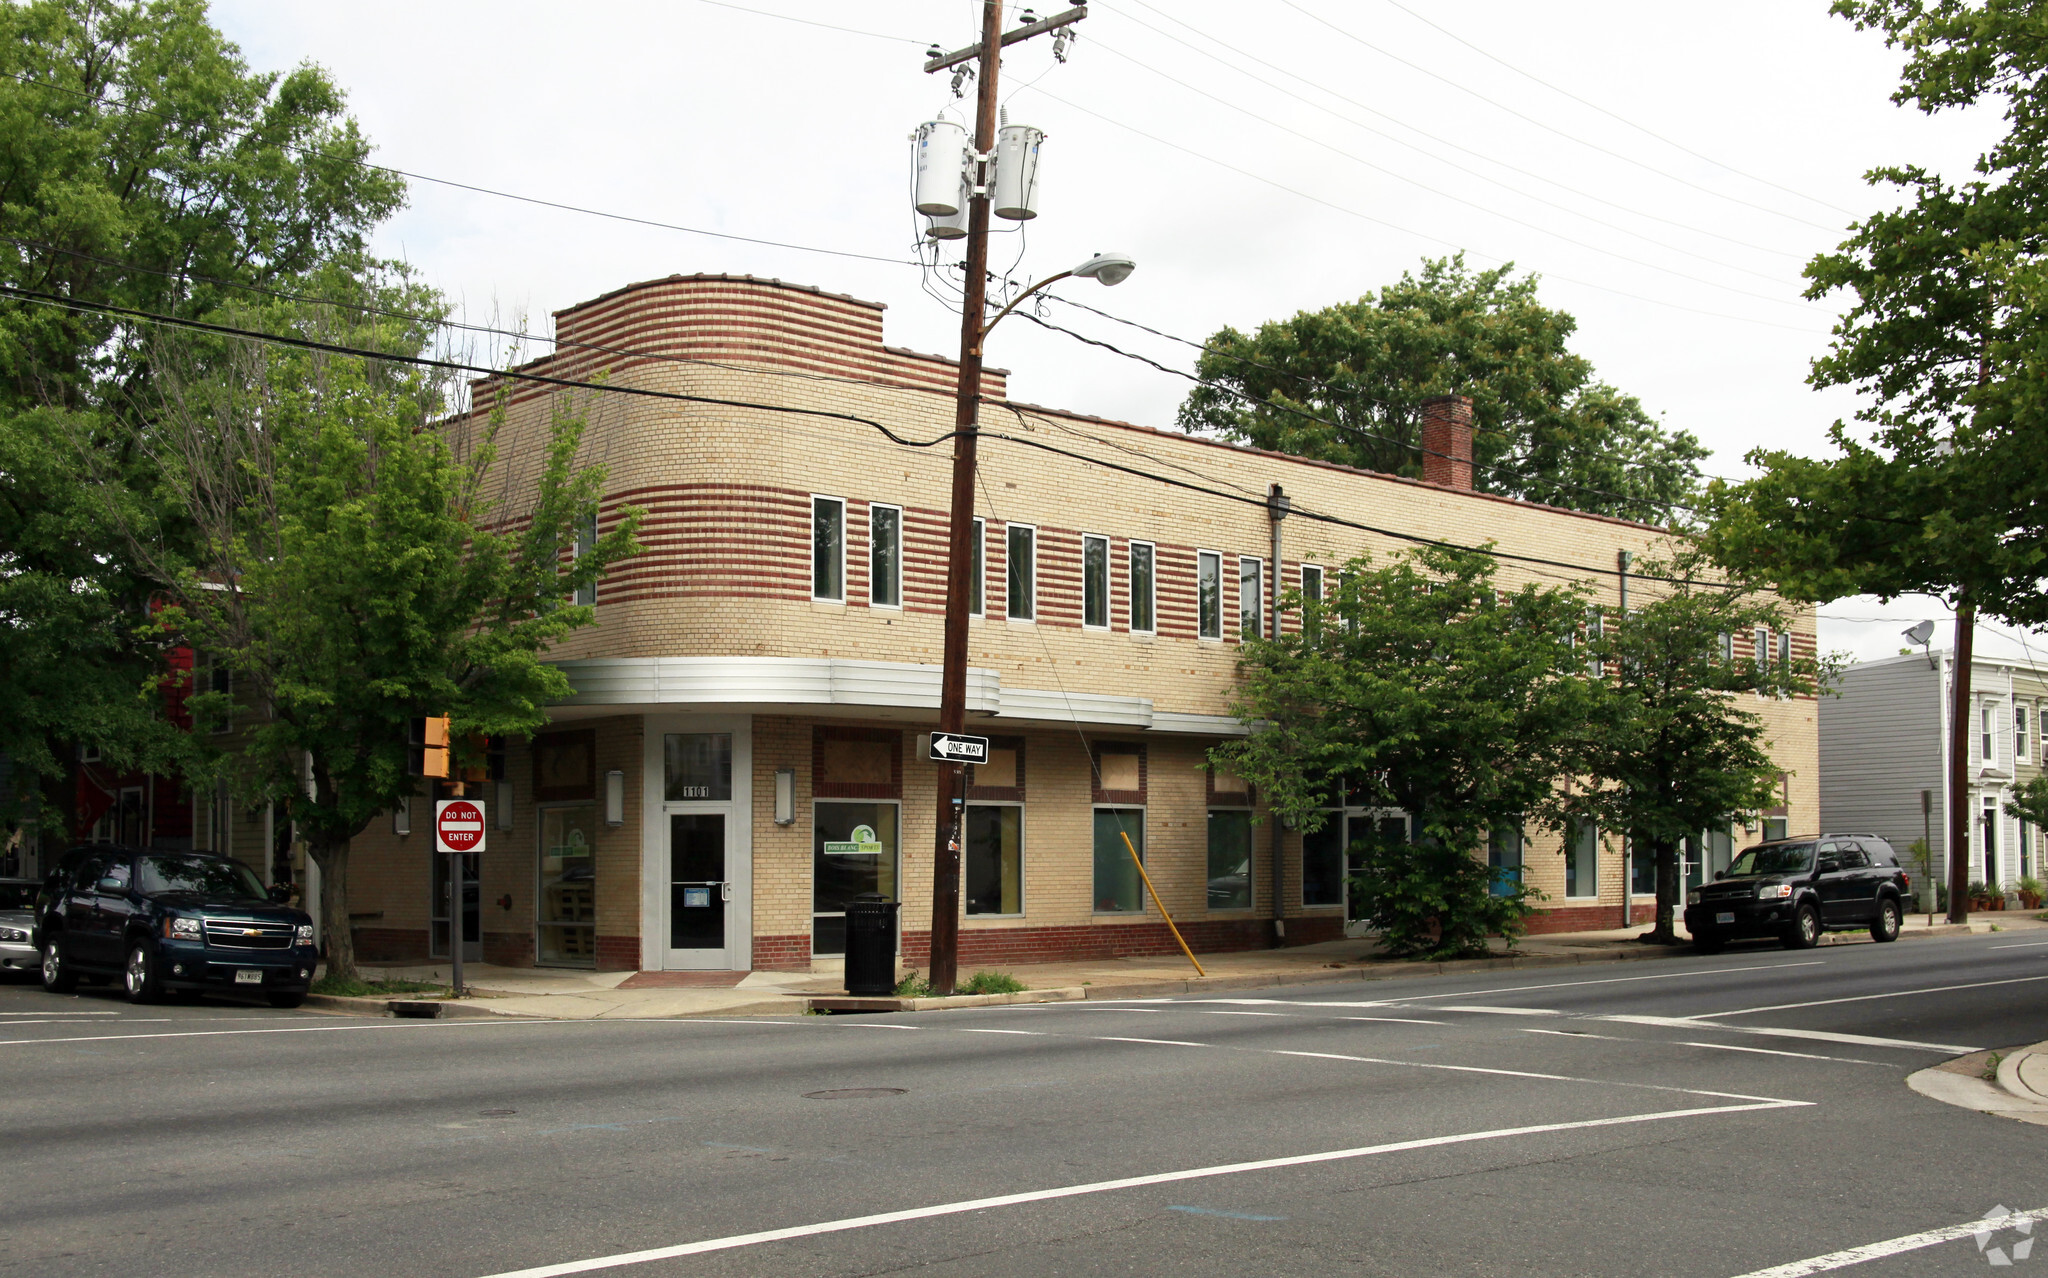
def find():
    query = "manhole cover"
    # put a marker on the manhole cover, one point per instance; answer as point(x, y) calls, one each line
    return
point(495, 1113)
point(856, 1093)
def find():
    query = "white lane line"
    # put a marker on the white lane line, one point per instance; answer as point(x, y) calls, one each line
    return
point(1613, 980)
point(1553, 1078)
point(1501, 1011)
point(735, 1241)
point(140, 1020)
point(1032, 1033)
point(1394, 1020)
point(1889, 1247)
point(294, 1029)
point(2029, 945)
point(1148, 1011)
point(879, 1025)
point(1768, 1051)
point(1217, 1011)
point(1771, 1031)
point(67, 1013)
point(1864, 998)
point(1606, 1038)
point(1162, 1042)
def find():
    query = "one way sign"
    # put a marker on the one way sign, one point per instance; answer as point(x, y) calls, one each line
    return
point(953, 747)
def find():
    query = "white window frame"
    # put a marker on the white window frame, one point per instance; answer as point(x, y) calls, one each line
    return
point(1258, 630)
point(1760, 640)
point(977, 589)
point(1571, 852)
point(1023, 860)
point(1596, 626)
point(1206, 559)
point(839, 598)
point(1010, 532)
point(1151, 587)
point(1108, 583)
point(1987, 725)
point(897, 606)
point(2022, 738)
point(1318, 596)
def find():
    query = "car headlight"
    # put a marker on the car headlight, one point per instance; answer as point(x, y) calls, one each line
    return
point(1692, 897)
point(13, 934)
point(184, 930)
point(1774, 892)
point(305, 933)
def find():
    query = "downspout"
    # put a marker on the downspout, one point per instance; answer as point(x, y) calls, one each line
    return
point(1277, 506)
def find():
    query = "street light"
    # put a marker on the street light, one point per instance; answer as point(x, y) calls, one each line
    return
point(1110, 269)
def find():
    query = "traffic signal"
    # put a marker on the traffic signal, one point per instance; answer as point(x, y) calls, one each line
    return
point(426, 747)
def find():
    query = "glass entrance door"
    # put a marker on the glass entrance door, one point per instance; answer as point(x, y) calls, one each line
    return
point(1366, 829)
point(450, 898)
point(698, 890)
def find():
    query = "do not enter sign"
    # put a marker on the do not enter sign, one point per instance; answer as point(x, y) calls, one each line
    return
point(459, 825)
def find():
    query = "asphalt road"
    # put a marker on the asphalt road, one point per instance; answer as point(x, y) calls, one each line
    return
point(1697, 1116)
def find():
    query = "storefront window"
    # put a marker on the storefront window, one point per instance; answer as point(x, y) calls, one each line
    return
point(854, 851)
point(1118, 889)
point(995, 859)
point(567, 915)
point(1322, 862)
point(1230, 859)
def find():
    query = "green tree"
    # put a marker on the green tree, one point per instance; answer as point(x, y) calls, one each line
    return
point(1421, 685)
point(1544, 428)
point(141, 161)
point(1676, 751)
point(362, 559)
point(1943, 491)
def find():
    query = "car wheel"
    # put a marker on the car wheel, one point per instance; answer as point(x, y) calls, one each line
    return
point(285, 1002)
point(139, 980)
point(1708, 941)
point(1885, 927)
point(1804, 933)
point(58, 978)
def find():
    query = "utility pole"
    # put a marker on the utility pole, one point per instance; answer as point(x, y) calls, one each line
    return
point(952, 789)
point(1959, 761)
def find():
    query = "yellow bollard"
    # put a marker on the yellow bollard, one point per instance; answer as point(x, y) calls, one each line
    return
point(1128, 847)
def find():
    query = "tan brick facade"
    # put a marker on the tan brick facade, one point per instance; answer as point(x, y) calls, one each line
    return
point(716, 617)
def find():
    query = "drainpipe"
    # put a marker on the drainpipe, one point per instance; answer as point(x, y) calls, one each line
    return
point(1277, 506)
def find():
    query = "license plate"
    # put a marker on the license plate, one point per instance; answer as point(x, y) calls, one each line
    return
point(248, 976)
point(1726, 916)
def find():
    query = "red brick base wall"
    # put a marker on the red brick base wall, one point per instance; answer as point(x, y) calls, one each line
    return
point(618, 953)
point(390, 945)
point(1578, 918)
point(783, 953)
point(1126, 940)
point(509, 949)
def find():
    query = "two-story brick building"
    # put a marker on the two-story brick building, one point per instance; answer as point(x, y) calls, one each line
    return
point(742, 752)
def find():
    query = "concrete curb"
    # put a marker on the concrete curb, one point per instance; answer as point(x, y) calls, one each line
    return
point(425, 1009)
point(1965, 1092)
point(2012, 1074)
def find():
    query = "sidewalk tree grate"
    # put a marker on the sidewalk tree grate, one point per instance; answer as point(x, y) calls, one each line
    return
point(856, 1093)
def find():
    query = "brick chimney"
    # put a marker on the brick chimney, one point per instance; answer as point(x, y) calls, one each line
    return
point(1447, 441)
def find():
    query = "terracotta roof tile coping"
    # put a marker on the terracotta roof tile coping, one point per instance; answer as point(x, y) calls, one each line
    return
point(716, 277)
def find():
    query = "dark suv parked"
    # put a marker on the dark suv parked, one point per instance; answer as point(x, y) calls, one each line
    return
point(1795, 889)
point(174, 921)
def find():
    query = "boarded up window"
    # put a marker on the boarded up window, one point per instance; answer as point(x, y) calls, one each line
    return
point(565, 766)
point(1002, 777)
point(857, 763)
point(1119, 773)
point(1228, 788)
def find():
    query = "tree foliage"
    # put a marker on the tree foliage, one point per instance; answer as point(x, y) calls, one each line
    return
point(1546, 429)
point(141, 164)
point(1677, 750)
point(353, 570)
point(1421, 685)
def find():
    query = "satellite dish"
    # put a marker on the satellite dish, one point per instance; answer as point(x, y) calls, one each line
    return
point(1920, 632)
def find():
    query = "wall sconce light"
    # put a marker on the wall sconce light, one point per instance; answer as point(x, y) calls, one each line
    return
point(785, 796)
point(615, 798)
point(503, 801)
point(401, 818)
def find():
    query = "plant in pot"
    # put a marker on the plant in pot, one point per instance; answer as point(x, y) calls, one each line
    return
point(2030, 892)
point(1980, 895)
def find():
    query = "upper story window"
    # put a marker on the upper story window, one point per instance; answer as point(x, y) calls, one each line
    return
point(1762, 654)
point(1727, 647)
point(586, 541)
point(1143, 557)
point(1251, 594)
point(978, 579)
point(828, 549)
point(1596, 625)
point(1023, 563)
point(2022, 748)
point(885, 556)
point(1209, 594)
point(1988, 729)
point(1312, 583)
point(1095, 582)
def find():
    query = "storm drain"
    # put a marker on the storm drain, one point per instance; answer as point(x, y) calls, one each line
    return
point(856, 1093)
point(495, 1113)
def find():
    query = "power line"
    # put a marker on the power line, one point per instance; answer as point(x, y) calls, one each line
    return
point(467, 186)
point(1438, 139)
point(1395, 226)
point(1615, 115)
point(763, 13)
point(1469, 91)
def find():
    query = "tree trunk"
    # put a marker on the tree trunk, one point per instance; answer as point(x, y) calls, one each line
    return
point(335, 934)
point(1667, 894)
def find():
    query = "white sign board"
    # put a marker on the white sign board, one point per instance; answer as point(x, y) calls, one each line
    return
point(955, 747)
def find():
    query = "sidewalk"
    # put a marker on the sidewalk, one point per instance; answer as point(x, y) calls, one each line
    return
point(574, 995)
point(2010, 1084)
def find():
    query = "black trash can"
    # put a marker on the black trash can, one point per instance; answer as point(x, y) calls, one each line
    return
point(871, 945)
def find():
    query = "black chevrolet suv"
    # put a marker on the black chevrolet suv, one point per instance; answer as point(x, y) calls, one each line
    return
point(1795, 889)
point(182, 922)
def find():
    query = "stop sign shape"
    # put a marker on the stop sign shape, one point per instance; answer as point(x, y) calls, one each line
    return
point(459, 825)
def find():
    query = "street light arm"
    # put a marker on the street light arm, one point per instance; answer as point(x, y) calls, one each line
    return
point(988, 327)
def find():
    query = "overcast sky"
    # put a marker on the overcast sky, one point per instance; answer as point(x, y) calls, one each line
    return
point(1666, 169)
